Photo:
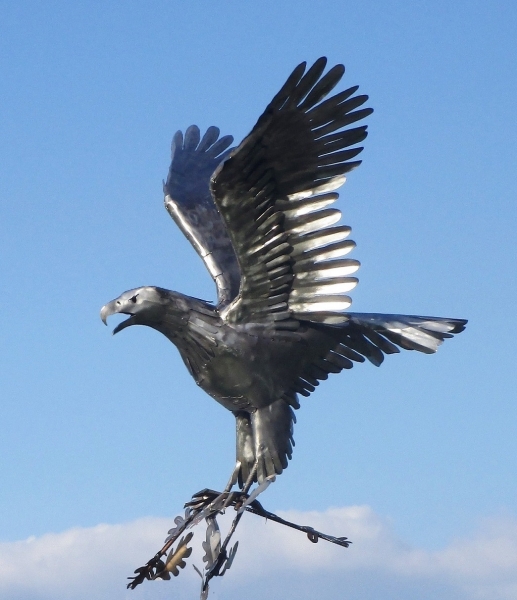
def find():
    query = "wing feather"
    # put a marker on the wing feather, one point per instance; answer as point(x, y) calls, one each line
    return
point(273, 192)
point(189, 202)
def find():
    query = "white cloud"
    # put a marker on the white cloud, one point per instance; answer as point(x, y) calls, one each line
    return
point(273, 561)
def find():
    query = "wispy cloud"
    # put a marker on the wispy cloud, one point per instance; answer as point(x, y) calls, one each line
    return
point(273, 561)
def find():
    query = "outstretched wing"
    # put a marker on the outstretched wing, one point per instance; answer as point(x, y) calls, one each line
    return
point(190, 204)
point(273, 191)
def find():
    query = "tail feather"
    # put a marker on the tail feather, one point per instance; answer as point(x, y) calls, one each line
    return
point(386, 332)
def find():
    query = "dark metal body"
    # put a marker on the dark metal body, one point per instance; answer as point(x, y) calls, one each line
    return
point(258, 217)
point(242, 367)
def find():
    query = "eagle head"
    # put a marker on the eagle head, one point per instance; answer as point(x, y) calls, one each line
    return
point(145, 306)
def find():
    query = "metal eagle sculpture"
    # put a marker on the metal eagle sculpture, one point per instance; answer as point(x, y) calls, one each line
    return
point(259, 217)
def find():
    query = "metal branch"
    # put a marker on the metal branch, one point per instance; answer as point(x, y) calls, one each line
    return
point(207, 503)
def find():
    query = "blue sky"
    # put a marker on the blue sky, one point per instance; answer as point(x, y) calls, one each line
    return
point(101, 429)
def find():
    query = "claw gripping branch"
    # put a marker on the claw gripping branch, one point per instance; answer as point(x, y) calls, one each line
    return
point(207, 504)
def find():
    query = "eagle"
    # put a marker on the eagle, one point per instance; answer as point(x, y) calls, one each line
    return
point(260, 217)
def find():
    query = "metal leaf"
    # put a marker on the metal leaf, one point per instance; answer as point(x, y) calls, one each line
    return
point(230, 558)
point(212, 545)
point(180, 524)
point(198, 571)
point(175, 560)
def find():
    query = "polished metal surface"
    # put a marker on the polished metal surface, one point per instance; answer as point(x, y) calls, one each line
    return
point(259, 216)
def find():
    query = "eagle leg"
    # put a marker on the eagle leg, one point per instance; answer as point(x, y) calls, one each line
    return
point(233, 477)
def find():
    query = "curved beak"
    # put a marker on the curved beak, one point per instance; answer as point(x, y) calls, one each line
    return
point(113, 308)
point(107, 310)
